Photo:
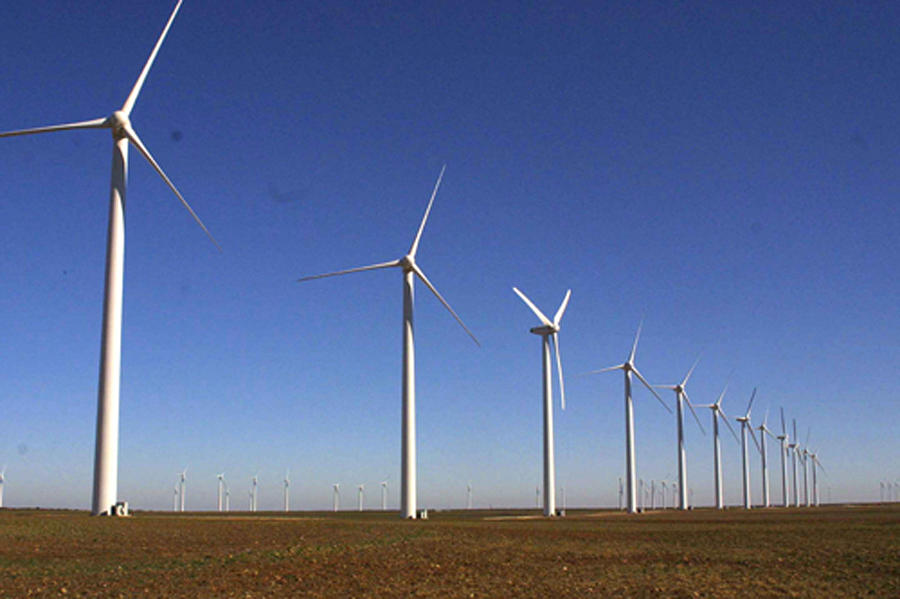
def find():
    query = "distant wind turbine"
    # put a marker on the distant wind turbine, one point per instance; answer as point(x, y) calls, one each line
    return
point(795, 449)
point(746, 427)
point(804, 458)
point(254, 490)
point(183, 476)
point(361, 495)
point(717, 414)
point(763, 431)
point(628, 368)
point(106, 455)
point(681, 397)
point(2, 482)
point(175, 498)
point(469, 496)
point(816, 463)
point(549, 333)
point(384, 489)
point(410, 271)
point(287, 491)
point(336, 497)
point(220, 485)
point(785, 447)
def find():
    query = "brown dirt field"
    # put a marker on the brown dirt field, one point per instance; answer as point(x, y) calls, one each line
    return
point(820, 552)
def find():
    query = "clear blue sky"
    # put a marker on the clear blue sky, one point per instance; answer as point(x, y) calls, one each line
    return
point(727, 173)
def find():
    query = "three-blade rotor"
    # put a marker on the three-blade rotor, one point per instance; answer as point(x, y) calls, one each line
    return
point(120, 125)
point(630, 367)
point(718, 412)
point(551, 329)
point(681, 389)
point(408, 264)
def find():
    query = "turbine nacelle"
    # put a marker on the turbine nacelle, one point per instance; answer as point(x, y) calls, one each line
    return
point(544, 330)
point(119, 123)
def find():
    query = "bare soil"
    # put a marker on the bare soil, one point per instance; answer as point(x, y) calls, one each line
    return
point(835, 551)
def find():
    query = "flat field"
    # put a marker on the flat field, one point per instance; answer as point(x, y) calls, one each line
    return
point(835, 551)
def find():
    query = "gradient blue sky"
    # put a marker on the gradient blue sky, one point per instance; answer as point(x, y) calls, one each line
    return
point(727, 172)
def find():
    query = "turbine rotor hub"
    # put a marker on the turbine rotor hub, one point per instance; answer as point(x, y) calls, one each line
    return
point(407, 262)
point(119, 122)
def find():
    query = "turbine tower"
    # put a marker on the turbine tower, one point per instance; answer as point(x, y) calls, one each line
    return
point(384, 485)
point(175, 498)
point(360, 495)
point(287, 491)
point(336, 497)
point(410, 271)
point(815, 460)
point(745, 453)
point(804, 458)
point(794, 450)
point(783, 438)
point(549, 333)
point(219, 490)
point(106, 454)
point(621, 492)
point(763, 431)
point(2, 482)
point(183, 478)
point(628, 368)
point(681, 397)
point(227, 497)
point(717, 414)
point(469, 496)
point(254, 487)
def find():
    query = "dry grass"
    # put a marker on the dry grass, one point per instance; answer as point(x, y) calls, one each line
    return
point(823, 552)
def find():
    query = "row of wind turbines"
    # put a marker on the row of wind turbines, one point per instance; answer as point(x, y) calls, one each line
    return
point(104, 497)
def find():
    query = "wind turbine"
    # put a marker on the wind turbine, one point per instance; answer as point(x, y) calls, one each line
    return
point(254, 486)
point(183, 477)
point(652, 494)
point(287, 491)
point(537, 497)
point(336, 497)
point(219, 488)
point(410, 271)
point(360, 495)
point(794, 450)
point(745, 453)
point(681, 397)
point(227, 498)
point(663, 493)
point(783, 437)
point(175, 498)
point(106, 455)
point(804, 458)
point(549, 332)
point(2, 482)
point(469, 496)
point(763, 431)
point(621, 492)
point(816, 462)
point(628, 368)
point(384, 487)
point(719, 413)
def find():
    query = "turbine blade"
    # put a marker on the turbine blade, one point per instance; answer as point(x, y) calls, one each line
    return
point(690, 372)
point(390, 264)
point(428, 284)
point(133, 137)
point(750, 405)
point(722, 395)
point(562, 389)
point(690, 405)
point(415, 244)
point(610, 369)
point(636, 337)
point(783, 427)
point(650, 387)
point(562, 308)
point(795, 430)
point(534, 308)
point(728, 424)
point(673, 387)
point(91, 124)
point(132, 97)
point(753, 436)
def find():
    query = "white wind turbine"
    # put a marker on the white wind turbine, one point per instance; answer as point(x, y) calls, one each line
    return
point(2, 482)
point(336, 497)
point(621, 492)
point(360, 495)
point(384, 489)
point(783, 438)
point(183, 478)
point(804, 458)
point(794, 447)
point(175, 498)
point(816, 463)
point(287, 491)
point(745, 452)
point(628, 368)
point(763, 431)
point(227, 497)
point(718, 413)
point(254, 488)
point(220, 486)
point(106, 455)
point(469, 496)
point(549, 332)
point(681, 397)
point(410, 271)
